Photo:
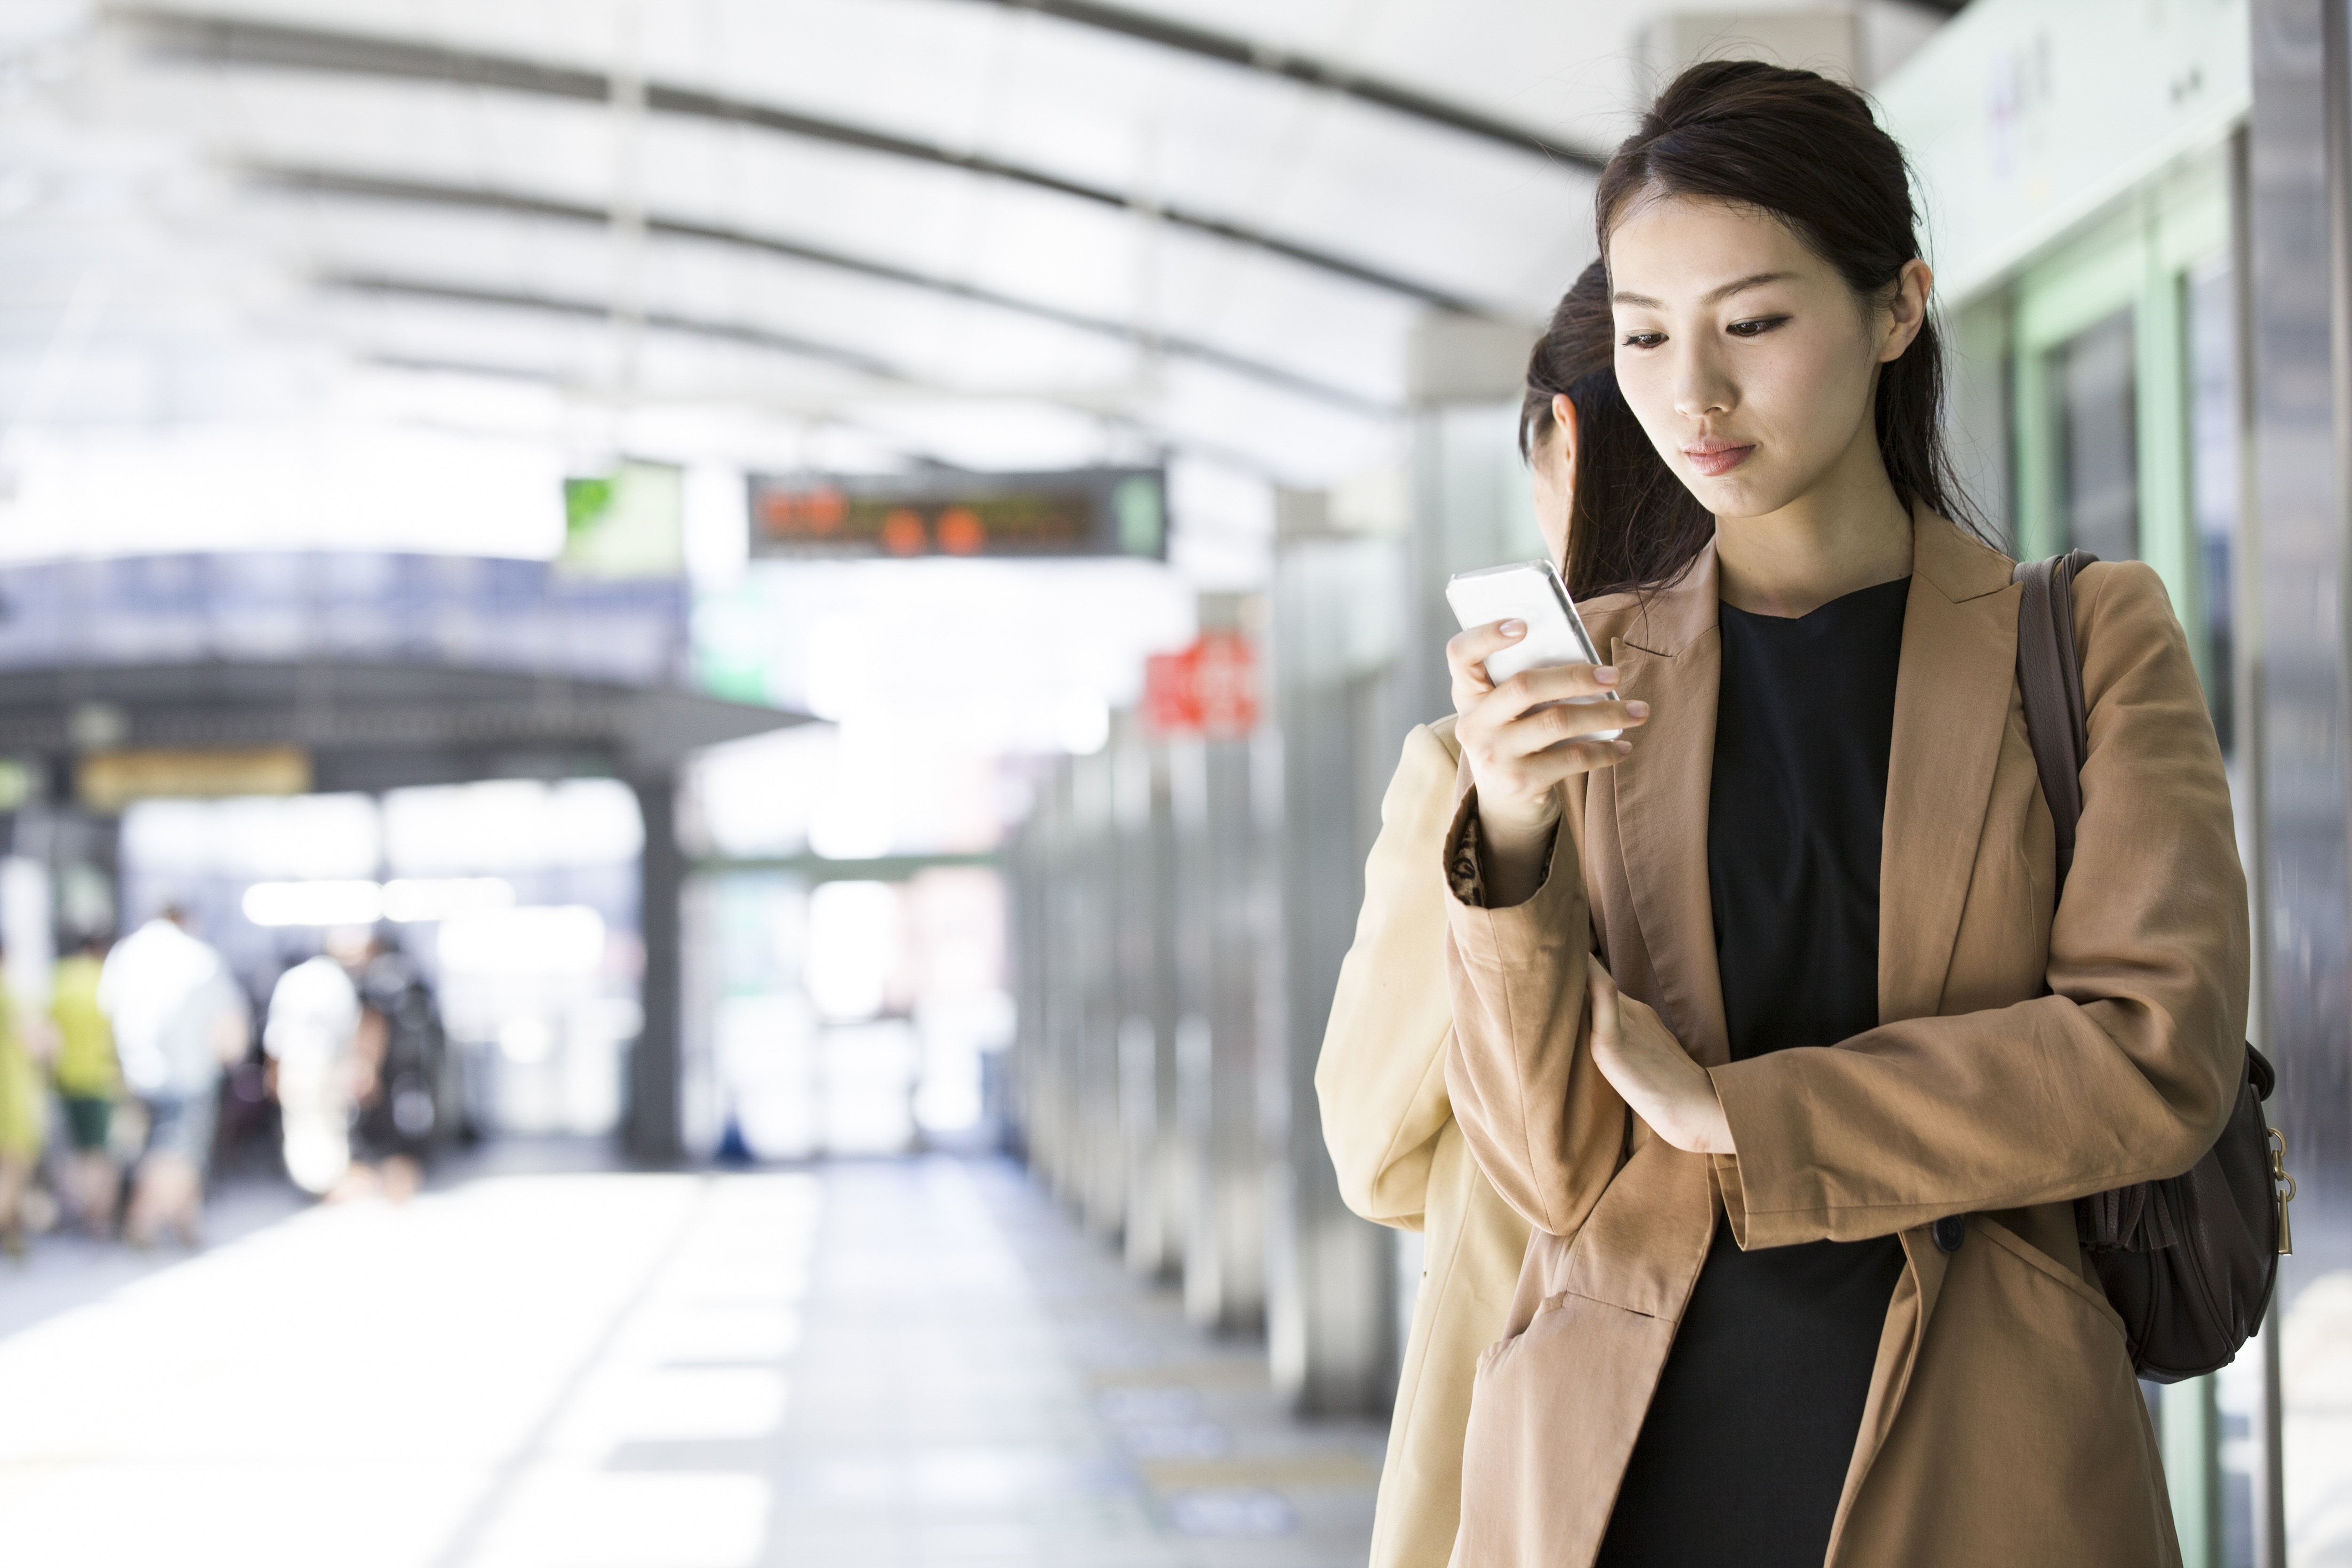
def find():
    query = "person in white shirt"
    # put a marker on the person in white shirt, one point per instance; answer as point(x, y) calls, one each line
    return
point(179, 1017)
point(314, 1018)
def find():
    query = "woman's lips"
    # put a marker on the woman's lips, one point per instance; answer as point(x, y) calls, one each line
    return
point(1713, 457)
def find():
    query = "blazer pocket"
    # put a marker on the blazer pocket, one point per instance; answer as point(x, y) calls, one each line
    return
point(1502, 1347)
point(2042, 1263)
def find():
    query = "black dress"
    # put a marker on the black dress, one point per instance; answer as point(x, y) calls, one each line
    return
point(1745, 1450)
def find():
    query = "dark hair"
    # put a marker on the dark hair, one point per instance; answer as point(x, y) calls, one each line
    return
point(1804, 149)
point(1631, 522)
point(1582, 338)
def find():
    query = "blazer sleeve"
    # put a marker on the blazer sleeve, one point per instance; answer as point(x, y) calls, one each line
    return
point(2125, 1072)
point(1544, 1125)
point(1380, 1078)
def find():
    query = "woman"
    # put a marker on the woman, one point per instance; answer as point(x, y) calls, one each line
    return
point(1400, 1157)
point(1746, 1001)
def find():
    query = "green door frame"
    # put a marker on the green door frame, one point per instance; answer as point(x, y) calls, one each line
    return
point(2138, 257)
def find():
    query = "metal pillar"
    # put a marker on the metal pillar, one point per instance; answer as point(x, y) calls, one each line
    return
point(1471, 503)
point(2298, 217)
point(1154, 1232)
point(1331, 1280)
point(654, 1132)
point(1223, 915)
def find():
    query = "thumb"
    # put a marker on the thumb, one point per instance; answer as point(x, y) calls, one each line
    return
point(1603, 992)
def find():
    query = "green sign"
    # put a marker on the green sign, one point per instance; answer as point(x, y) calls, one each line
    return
point(627, 523)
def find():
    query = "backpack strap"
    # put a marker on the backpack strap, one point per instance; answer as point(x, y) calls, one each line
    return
point(2050, 683)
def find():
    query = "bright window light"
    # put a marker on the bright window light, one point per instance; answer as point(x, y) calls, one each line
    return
point(356, 903)
point(550, 940)
point(509, 824)
point(313, 903)
point(853, 948)
point(438, 898)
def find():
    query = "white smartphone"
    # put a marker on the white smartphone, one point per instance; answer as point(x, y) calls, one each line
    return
point(1532, 592)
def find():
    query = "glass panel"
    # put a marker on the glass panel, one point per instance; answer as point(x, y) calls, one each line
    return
point(2213, 473)
point(2091, 377)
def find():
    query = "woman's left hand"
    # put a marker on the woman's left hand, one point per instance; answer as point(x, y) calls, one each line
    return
point(1651, 1072)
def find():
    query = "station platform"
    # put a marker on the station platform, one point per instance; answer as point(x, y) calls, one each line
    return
point(918, 1362)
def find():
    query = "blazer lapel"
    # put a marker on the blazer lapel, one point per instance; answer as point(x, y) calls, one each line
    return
point(1671, 657)
point(1952, 701)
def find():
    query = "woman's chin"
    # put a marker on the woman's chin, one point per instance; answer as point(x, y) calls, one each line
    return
point(1736, 494)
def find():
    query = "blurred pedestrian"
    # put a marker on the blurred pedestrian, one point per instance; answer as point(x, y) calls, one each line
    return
point(400, 1053)
point(24, 1125)
point(314, 1019)
point(88, 1081)
point(179, 1019)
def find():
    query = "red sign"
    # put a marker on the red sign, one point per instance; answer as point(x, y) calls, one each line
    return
point(1208, 689)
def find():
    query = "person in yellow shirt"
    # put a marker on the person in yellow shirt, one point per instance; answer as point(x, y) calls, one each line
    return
point(24, 1125)
point(90, 1082)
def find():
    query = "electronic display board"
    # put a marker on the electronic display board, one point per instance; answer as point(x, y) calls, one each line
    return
point(1075, 511)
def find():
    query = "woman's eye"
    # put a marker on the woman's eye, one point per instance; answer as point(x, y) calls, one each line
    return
point(1645, 339)
point(1755, 328)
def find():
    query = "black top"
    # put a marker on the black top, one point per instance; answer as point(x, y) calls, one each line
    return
point(1745, 1446)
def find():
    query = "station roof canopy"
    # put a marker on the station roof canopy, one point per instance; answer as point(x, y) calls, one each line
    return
point(383, 670)
point(980, 233)
point(371, 726)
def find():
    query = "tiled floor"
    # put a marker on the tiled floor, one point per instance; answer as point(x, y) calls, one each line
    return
point(915, 1362)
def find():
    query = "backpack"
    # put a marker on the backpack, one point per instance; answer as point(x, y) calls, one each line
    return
point(2188, 1262)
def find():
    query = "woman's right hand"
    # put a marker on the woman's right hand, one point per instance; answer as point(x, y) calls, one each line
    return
point(1519, 750)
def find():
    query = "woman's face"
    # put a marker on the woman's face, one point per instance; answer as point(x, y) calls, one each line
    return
point(1748, 359)
point(1551, 470)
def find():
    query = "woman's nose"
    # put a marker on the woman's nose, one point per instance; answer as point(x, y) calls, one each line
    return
point(1700, 388)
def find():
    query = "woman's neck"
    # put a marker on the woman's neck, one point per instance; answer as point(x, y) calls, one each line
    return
point(1848, 532)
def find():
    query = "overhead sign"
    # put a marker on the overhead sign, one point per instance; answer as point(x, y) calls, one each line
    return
point(627, 523)
point(109, 780)
point(1210, 689)
point(1075, 511)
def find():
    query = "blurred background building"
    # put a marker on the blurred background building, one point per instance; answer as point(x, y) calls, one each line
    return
point(833, 583)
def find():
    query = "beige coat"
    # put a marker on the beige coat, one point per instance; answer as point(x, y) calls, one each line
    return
point(1401, 1157)
point(2003, 1426)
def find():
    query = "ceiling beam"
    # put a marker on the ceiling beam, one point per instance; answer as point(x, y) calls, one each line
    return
point(236, 41)
point(541, 375)
point(1232, 49)
point(335, 183)
point(391, 285)
point(433, 293)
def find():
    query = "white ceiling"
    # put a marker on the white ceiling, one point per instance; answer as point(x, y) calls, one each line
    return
point(192, 237)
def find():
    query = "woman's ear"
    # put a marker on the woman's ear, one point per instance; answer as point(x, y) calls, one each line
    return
point(1909, 311)
point(1563, 415)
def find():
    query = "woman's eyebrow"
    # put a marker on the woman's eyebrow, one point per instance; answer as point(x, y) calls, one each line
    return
point(1713, 296)
point(1753, 281)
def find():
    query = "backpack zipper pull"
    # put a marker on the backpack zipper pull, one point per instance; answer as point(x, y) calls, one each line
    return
point(2282, 1185)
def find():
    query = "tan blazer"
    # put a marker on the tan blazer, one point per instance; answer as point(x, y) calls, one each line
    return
point(1401, 1157)
point(2003, 1426)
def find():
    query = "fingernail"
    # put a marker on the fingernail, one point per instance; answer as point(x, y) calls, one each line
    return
point(1637, 708)
point(1605, 673)
point(1623, 747)
point(1513, 628)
